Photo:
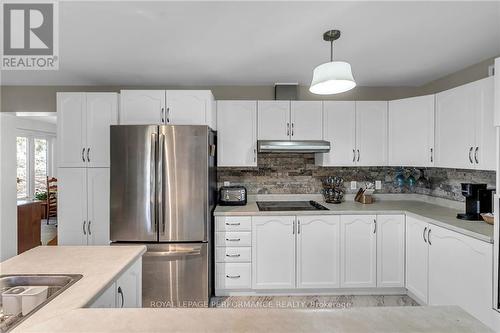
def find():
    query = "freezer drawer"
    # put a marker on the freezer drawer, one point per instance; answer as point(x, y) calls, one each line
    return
point(175, 275)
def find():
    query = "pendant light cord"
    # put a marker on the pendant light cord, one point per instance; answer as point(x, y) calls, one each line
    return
point(331, 51)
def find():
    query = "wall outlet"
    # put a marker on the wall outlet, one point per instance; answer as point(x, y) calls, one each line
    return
point(378, 184)
point(354, 185)
point(227, 183)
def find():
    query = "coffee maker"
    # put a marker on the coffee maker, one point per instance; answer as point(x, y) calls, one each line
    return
point(478, 199)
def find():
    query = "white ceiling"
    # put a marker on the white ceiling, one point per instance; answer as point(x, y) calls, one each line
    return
point(252, 43)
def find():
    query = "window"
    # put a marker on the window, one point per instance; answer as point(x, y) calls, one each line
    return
point(34, 151)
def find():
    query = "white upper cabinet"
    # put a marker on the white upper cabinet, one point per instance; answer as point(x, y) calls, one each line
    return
point(465, 133)
point(390, 250)
point(274, 120)
point(71, 129)
point(307, 120)
point(318, 251)
point(142, 107)
point(358, 251)
point(190, 107)
point(371, 133)
point(102, 111)
point(237, 133)
point(497, 91)
point(411, 132)
point(417, 258)
point(83, 121)
point(273, 252)
point(339, 127)
point(174, 107)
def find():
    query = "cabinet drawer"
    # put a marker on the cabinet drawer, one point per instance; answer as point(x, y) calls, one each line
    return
point(233, 223)
point(233, 254)
point(233, 276)
point(233, 238)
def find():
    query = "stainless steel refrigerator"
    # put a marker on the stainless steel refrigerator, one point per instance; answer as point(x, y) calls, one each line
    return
point(163, 192)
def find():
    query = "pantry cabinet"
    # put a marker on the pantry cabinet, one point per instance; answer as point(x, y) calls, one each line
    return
point(169, 107)
point(390, 230)
point(358, 251)
point(357, 132)
point(83, 207)
point(465, 132)
point(318, 251)
point(411, 132)
point(124, 292)
point(273, 252)
point(496, 85)
point(83, 126)
point(417, 258)
point(460, 272)
point(237, 133)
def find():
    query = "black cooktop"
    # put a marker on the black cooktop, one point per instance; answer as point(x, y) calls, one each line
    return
point(289, 205)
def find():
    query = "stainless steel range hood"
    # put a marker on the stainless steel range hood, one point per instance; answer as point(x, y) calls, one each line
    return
point(286, 146)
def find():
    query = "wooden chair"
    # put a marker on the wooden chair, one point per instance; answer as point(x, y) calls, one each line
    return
point(51, 198)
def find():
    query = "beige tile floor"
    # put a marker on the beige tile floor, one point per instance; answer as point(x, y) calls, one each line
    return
point(311, 302)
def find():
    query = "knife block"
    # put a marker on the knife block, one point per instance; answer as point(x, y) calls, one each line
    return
point(366, 199)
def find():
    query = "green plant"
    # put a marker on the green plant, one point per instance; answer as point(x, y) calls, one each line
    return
point(41, 196)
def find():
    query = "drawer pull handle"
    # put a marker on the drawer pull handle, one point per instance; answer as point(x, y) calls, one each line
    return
point(233, 255)
point(233, 239)
point(233, 223)
point(233, 276)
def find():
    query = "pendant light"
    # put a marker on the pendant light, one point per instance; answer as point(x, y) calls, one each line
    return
point(332, 77)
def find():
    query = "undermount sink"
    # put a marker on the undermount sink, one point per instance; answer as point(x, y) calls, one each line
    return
point(56, 284)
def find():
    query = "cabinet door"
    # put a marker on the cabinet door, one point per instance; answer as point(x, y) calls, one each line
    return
point(358, 251)
point(107, 299)
point(72, 206)
point(484, 152)
point(273, 252)
point(390, 251)
point(71, 131)
point(460, 272)
point(411, 131)
point(371, 133)
point(318, 251)
point(187, 107)
point(129, 287)
point(455, 128)
point(102, 112)
point(237, 133)
point(142, 107)
point(417, 258)
point(339, 127)
point(274, 120)
point(307, 120)
point(98, 189)
point(496, 85)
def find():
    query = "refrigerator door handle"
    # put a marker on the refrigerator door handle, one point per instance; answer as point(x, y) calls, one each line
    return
point(152, 183)
point(161, 151)
point(172, 253)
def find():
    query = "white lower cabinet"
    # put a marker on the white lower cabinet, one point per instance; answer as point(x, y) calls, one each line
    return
point(125, 291)
point(390, 250)
point(460, 272)
point(318, 251)
point(358, 251)
point(273, 252)
point(417, 258)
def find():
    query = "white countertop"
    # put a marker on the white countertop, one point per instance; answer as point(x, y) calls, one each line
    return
point(100, 265)
point(439, 215)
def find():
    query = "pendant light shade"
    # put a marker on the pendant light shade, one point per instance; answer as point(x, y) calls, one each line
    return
point(332, 77)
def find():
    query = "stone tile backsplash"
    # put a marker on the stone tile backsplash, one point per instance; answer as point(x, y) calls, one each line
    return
point(297, 174)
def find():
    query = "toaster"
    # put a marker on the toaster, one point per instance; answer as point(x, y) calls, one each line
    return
point(233, 196)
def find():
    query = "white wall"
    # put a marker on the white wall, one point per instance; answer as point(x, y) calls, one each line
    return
point(8, 205)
